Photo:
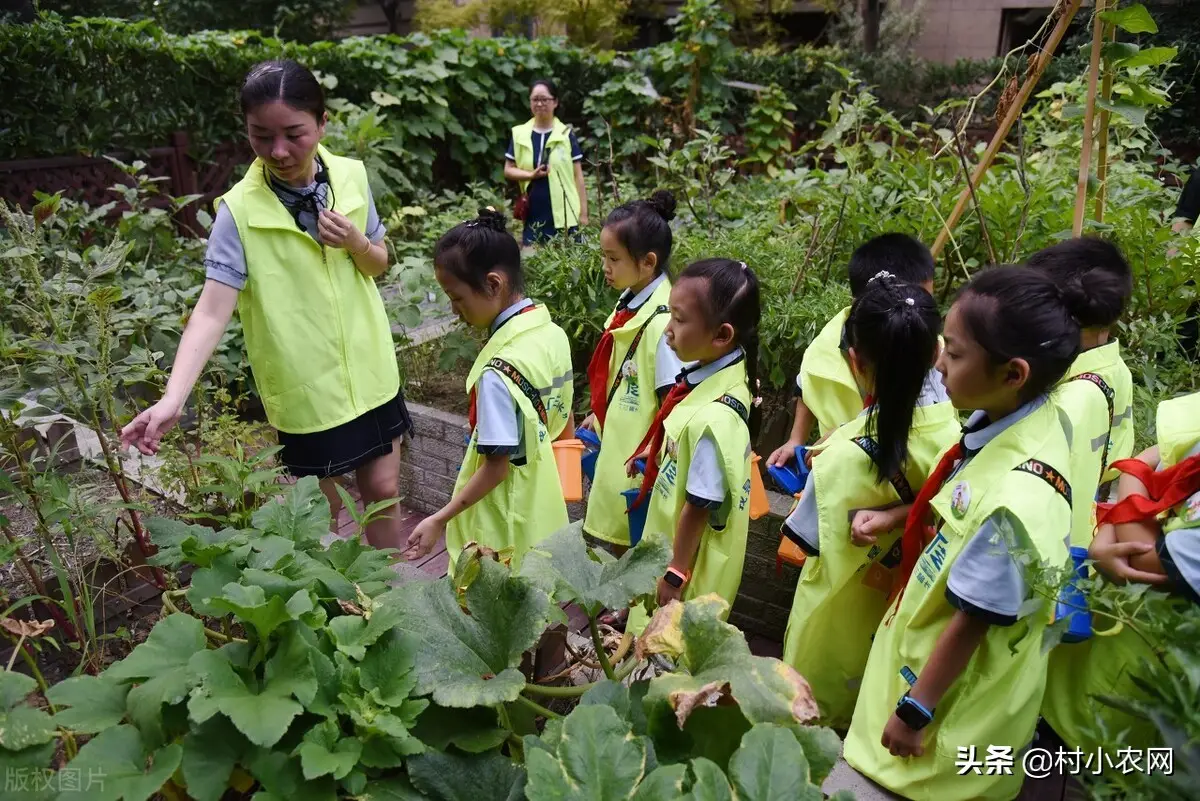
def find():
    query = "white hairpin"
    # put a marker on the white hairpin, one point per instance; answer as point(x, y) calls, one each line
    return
point(910, 301)
point(881, 274)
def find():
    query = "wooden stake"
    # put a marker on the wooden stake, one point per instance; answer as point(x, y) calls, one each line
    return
point(1106, 88)
point(1089, 121)
point(1014, 111)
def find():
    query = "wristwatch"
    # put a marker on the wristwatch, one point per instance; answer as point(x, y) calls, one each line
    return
point(914, 714)
point(675, 577)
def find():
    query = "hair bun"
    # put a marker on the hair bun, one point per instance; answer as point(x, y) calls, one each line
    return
point(492, 219)
point(663, 202)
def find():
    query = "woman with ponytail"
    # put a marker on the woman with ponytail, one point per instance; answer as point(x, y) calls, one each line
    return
point(862, 484)
point(633, 366)
point(697, 450)
point(508, 495)
point(947, 667)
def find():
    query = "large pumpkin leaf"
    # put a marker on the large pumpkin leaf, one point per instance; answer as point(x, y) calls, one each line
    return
point(21, 726)
point(28, 776)
point(565, 567)
point(301, 515)
point(450, 777)
point(129, 772)
point(14, 687)
point(471, 659)
point(473, 730)
point(210, 752)
point(254, 608)
point(708, 782)
point(282, 777)
point(626, 701)
point(93, 703)
point(596, 758)
point(715, 666)
point(263, 713)
point(771, 766)
point(179, 542)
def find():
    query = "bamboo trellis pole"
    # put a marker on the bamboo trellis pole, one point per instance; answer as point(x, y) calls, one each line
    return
point(1089, 121)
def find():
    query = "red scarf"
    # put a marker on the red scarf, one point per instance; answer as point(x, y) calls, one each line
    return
point(654, 437)
point(1166, 488)
point(472, 411)
point(598, 367)
point(916, 528)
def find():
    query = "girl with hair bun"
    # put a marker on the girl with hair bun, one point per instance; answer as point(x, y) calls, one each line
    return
point(295, 247)
point(508, 494)
point(947, 668)
point(862, 484)
point(633, 365)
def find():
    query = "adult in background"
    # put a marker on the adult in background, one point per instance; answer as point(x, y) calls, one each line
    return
point(544, 158)
point(296, 246)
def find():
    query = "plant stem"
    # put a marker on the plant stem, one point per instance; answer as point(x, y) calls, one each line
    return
point(575, 691)
point(601, 653)
point(538, 708)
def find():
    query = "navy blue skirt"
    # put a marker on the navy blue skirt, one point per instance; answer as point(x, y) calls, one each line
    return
point(347, 447)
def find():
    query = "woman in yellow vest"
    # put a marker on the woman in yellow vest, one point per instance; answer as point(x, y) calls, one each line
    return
point(633, 365)
point(862, 483)
point(508, 494)
point(1154, 540)
point(296, 246)
point(697, 451)
point(544, 158)
point(947, 676)
point(826, 391)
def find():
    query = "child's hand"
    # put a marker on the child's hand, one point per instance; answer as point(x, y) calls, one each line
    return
point(424, 537)
point(1112, 558)
point(868, 524)
point(783, 454)
point(900, 740)
point(631, 468)
point(667, 593)
point(589, 423)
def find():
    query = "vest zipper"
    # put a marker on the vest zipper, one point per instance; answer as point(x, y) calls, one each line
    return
point(337, 312)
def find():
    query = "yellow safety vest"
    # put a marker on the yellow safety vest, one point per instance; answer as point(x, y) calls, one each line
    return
point(564, 194)
point(528, 505)
point(1096, 397)
point(842, 594)
point(631, 410)
point(1079, 672)
point(826, 382)
point(719, 561)
point(995, 701)
point(317, 336)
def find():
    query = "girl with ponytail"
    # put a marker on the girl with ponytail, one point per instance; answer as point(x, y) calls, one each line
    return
point(697, 451)
point(947, 668)
point(632, 366)
point(508, 495)
point(862, 483)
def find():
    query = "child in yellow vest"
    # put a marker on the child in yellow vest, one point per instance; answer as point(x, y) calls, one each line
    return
point(1150, 536)
point(862, 484)
point(947, 677)
point(1096, 398)
point(632, 367)
point(508, 493)
point(826, 391)
point(697, 450)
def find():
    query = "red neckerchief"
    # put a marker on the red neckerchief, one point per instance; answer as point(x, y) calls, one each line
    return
point(654, 437)
point(599, 366)
point(1166, 488)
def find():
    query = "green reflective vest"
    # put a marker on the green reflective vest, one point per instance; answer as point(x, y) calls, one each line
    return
point(528, 505)
point(995, 701)
point(1080, 672)
point(630, 414)
point(1096, 397)
point(722, 552)
point(842, 594)
point(826, 383)
point(317, 335)
point(564, 194)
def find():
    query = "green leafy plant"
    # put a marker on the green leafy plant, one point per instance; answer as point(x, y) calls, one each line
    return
point(769, 131)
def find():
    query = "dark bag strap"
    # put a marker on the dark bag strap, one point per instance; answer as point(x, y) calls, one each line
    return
point(637, 339)
point(896, 479)
point(737, 406)
point(527, 389)
point(1109, 398)
point(1057, 481)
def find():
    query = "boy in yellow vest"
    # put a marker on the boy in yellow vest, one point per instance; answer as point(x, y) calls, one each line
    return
point(826, 391)
point(508, 494)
